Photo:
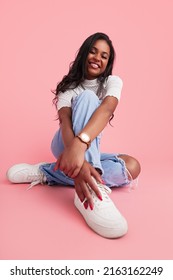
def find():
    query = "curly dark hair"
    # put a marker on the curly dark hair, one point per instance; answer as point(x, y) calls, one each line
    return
point(77, 71)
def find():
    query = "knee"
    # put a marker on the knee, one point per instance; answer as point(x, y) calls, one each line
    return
point(132, 165)
point(89, 96)
point(57, 145)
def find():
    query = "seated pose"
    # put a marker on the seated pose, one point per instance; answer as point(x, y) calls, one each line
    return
point(86, 99)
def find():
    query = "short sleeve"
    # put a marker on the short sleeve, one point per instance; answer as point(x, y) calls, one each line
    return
point(113, 87)
point(64, 99)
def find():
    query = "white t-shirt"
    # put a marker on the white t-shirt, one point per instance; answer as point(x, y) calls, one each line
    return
point(111, 87)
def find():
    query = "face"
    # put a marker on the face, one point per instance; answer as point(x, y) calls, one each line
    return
point(97, 59)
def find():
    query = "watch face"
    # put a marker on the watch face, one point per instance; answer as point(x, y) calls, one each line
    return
point(85, 137)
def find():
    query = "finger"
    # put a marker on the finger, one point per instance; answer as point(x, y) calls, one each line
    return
point(74, 173)
point(81, 196)
point(93, 185)
point(65, 170)
point(56, 167)
point(84, 195)
point(96, 175)
point(86, 204)
point(80, 193)
point(70, 172)
point(63, 167)
point(88, 196)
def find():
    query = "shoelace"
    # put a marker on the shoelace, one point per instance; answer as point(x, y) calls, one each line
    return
point(104, 191)
point(36, 179)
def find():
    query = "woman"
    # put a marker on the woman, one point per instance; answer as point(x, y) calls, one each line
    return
point(86, 99)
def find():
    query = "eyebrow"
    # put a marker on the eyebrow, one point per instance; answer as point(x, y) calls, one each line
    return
point(102, 52)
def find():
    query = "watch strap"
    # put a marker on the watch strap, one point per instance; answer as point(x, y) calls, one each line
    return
point(87, 143)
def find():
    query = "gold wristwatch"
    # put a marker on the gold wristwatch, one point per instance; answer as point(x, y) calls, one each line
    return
point(83, 137)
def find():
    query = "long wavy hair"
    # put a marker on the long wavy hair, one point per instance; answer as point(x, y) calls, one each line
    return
point(77, 70)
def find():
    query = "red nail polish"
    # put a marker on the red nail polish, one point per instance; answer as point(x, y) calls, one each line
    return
point(91, 207)
point(100, 197)
point(86, 204)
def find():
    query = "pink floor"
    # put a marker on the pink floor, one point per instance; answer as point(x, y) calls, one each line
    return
point(44, 224)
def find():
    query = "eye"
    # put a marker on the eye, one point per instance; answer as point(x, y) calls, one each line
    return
point(92, 51)
point(104, 56)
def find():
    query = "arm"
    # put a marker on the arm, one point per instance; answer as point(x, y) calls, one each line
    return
point(72, 159)
point(95, 125)
point(101, 117)
point(66, 125)
point(86, 171)
point(73, 147)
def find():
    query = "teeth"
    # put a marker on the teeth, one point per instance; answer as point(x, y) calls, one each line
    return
point(94, 65)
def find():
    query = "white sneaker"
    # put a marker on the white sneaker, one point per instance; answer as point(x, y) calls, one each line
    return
point(104, 219)
point(26, 173)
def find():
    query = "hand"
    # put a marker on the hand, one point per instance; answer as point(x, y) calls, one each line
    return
point(83, 179)
point(72, 158)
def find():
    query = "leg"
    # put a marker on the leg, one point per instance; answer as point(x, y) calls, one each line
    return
point(105, 218)
point(115, 171)
point(83, 107)
point(132, 165)
point(119, 170)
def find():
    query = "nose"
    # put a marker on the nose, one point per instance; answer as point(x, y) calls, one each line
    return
point(97, 57)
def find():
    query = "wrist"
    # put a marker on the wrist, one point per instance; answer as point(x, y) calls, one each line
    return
point(80, 144)
point(84, 138)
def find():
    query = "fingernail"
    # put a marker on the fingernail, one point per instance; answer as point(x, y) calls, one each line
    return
point(99, 196)
point(86, 204)
point(91, 207)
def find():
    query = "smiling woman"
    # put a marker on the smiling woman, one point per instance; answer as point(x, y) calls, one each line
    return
point(97, 59)
point(85, 99)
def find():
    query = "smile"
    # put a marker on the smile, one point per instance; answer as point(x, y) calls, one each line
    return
point(94, 65)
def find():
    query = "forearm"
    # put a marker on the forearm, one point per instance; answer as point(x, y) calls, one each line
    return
point(72, 158)
point(100, 117)
point(67, 134)
point(66, 126)
point(95, 125)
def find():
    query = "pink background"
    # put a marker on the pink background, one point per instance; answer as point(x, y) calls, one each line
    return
point(38, 41)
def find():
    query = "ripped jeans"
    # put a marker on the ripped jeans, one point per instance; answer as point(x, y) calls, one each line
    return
point(113, 169)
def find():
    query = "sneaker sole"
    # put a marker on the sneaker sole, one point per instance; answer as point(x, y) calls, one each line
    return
point(106, 232)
